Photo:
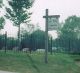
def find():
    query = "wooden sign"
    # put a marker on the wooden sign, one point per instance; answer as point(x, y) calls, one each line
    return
point(53, 22)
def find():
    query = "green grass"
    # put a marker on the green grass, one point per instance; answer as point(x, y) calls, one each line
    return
point(34, 63)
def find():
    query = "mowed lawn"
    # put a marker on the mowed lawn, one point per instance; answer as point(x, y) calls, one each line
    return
point(34, 63)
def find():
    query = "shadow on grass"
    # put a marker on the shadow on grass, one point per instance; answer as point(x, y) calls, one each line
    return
point(33, 64)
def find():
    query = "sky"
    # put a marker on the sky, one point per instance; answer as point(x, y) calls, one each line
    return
point(64, 8)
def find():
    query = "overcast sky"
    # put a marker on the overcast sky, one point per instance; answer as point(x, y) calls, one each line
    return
point(64, 8)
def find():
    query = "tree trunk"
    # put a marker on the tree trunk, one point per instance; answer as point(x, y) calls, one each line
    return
point(5, 41)
point(19, 38)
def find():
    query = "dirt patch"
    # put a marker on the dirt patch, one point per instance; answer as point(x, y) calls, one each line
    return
point(77, 61)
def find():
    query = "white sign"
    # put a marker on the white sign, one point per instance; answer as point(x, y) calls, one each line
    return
point(53, 23)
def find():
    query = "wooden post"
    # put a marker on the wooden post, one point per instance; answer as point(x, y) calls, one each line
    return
point(51, 46)
point(46, 37)
point(48, 27)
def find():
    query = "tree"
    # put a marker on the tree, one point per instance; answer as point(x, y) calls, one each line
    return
point(2, 22)
point(70, 34)
point(71, 28)
point(19, 12)
point(33, 41)
point(38, 39)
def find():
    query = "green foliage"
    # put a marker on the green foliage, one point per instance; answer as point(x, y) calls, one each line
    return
point(1, 3)
point(2, 22)
point(36, 40)
point(69, 38)
point(71, 28)
point(19, 10)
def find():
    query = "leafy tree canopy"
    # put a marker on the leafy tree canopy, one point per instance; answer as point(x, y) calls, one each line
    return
point(71, 28)
point(19, 11)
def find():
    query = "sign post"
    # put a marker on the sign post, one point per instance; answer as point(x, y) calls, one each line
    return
point(51, 24)
point(46, 37)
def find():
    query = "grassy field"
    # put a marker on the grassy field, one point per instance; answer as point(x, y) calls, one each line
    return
point(34, 63)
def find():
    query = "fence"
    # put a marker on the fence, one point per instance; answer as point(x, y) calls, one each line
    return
point(29, 42)
point(66, 45)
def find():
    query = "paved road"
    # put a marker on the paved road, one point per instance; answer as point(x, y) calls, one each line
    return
point(6, 72)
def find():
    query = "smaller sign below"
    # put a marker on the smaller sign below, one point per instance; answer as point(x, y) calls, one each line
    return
point(52, 28)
